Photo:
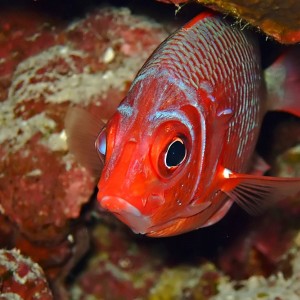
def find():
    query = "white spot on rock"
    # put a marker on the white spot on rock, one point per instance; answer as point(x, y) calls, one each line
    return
point(109, 55)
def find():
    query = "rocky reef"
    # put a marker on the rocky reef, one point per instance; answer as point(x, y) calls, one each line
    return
point(280, 20)
point(50, 62)
point(21, 278)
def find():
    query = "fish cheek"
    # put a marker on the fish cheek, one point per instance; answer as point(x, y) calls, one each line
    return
point(180, 190)
point(178, 183)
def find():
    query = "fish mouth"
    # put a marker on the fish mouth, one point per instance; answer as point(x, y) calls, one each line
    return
point(119, 205)
point(127, 213)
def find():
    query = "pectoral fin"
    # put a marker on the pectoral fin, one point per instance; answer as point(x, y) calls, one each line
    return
point(82, 129)
point(255, 193)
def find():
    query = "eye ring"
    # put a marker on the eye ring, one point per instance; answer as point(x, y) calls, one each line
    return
point(100, 143)
point(175, 154)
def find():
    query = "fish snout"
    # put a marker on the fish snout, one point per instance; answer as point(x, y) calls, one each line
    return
point(127, 213)
point(118, 205)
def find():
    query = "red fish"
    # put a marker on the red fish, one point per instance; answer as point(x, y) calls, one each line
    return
point(179, 147)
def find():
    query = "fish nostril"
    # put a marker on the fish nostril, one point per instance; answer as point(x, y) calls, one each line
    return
point(118, 205)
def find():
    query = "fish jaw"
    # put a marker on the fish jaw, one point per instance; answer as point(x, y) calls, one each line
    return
point(149, 224)
point(127, 213)
point(129, 202)
point(209, 213)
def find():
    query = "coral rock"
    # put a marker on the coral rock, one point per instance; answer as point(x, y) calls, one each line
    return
point(21, 278)
point(38, 176)
point(276, 18)
point(47, 66)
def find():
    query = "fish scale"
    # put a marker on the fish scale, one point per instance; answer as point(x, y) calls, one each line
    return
point(212, 37)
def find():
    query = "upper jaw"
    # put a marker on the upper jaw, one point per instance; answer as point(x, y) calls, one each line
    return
point(127, 213)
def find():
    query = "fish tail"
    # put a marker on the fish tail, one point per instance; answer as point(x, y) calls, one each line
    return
point(283, 82)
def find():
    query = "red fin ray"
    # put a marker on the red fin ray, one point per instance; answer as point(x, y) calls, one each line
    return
point(198, 18)
point(194, 209)
point(219, 214)
point(255, 193)
point(82, 129)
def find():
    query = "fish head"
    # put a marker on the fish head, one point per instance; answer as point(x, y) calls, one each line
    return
point(153, 149)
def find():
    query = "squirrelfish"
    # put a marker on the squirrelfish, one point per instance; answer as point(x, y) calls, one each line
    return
point(179, 147)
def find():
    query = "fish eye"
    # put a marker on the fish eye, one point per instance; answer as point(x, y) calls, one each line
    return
point(100, 143)
point(175, 154)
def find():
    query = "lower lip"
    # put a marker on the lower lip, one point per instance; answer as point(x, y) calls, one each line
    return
point(119, 206)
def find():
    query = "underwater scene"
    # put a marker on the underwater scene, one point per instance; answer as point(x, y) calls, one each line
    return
point(150, 150)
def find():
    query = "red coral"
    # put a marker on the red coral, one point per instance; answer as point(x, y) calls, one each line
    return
point(21, 278)
point(37, 183)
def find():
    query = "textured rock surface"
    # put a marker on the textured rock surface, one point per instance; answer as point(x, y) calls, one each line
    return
point(92, 73)
point(276, 18)
point(21, 278)
point(277, 286)
point(45, 67)
point(120, 268)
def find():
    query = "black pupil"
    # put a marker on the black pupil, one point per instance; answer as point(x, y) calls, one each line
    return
point(176, 154)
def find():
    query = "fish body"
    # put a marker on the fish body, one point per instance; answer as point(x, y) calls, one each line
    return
point(179, 145)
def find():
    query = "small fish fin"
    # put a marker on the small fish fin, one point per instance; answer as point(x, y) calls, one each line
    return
point(193, 209)
point(218, 215)
point(82, 129)
point(258, 165)
point(283, 83)
point(255, 193)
